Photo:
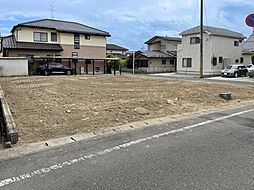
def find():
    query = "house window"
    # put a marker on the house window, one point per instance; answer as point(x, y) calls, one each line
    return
point(237, 61)
point(76, 41)
point(87, 36)
point(175, 47)
point(241, 60)
point(194, 40)
point(53, 36)
point(97, 68)
point(142, 63)
point(214, 61)
point(74, 54)
point(163, 47)
point(164, 61)
point(236, 43)
point(40, 36)
point(220, 59)
point(187, 62)
point(172, 62)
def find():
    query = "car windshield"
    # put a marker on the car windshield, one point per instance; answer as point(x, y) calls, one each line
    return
point(229, 67)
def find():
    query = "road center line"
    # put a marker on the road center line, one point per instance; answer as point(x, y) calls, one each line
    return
point(52, 168)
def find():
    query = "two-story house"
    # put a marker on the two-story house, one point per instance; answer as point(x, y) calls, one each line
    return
point(222, 47)
point(160, 56)
point(117, 50)
point(248, 49)
point(49, 37)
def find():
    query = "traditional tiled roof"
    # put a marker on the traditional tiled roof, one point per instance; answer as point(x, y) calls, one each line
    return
point(248, 46)
point(152, 40)
point(214, 31)
point(153, 54)
point(11, 43)
point(63, 26)
point(115, 47)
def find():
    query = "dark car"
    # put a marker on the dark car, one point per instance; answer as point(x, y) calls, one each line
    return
point(54, 68)
point(234, 71)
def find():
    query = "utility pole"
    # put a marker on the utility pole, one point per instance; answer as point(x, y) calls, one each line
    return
point(133, 67)
point(201, 40)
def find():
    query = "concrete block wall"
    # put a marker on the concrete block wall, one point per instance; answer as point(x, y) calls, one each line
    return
point(13, 66)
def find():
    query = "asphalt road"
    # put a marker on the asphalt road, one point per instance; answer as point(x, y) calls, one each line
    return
point(240, 80)
point(214, 151)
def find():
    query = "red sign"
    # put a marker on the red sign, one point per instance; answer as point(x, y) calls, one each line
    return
point(250, 20)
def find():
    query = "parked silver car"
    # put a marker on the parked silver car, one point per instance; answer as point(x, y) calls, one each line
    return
point(234, 71)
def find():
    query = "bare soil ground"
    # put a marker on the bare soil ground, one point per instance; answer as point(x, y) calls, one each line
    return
point(57, 106)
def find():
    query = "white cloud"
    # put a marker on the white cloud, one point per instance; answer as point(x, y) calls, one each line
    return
point(133, 21)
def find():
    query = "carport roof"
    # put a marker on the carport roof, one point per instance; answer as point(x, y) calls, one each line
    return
point(77, 58)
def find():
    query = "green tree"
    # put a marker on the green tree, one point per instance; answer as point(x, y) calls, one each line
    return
point(119, 62)
point(252, 58)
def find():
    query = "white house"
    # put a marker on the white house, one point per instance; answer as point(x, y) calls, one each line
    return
point(248, 49)
point(222, 47)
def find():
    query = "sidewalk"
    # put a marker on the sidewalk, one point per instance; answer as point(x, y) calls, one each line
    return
point(175, 75)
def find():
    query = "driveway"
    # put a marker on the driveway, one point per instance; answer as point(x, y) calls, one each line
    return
point(211, 151)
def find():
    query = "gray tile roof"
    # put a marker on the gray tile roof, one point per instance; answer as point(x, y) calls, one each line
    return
point(10, 43)
point(63, 26)
point(214, 31)
point(115, 47)
point(164, 38)
point(249, 44)
point(153, 54)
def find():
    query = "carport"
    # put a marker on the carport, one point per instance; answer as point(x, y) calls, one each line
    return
point(86, 61)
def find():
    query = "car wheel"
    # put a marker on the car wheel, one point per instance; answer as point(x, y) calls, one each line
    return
point(68, 72)
point(236, 75)
point(46, 73)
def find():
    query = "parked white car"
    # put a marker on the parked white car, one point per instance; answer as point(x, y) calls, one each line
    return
point(250, 68)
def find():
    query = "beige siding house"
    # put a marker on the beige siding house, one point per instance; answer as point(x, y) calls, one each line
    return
point(222, 47)
point(49, 37)
point(160, 56)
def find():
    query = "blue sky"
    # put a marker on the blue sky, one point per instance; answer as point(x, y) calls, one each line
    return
point(131, 22)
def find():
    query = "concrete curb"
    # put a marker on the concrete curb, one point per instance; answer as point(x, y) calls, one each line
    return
point(10, 126)
point(52, 143)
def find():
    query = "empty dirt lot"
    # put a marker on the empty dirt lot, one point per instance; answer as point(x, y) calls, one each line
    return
point(57, 106)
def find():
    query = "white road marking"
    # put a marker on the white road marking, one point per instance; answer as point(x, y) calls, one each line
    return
point(52, 168)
